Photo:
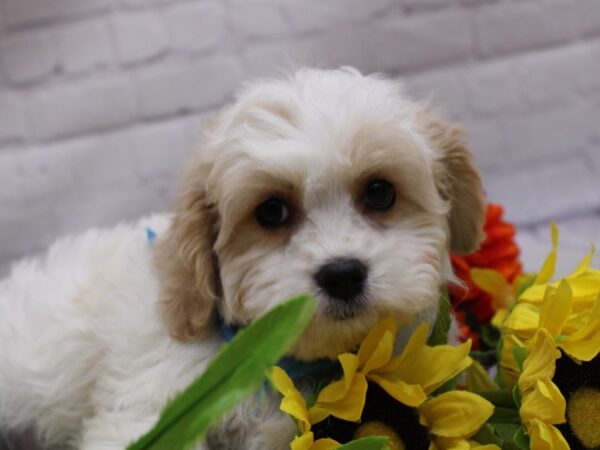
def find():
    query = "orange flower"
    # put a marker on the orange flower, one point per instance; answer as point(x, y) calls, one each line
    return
point(499, 252)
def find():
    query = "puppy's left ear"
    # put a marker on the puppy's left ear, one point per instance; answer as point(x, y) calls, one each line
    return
point(458, 182)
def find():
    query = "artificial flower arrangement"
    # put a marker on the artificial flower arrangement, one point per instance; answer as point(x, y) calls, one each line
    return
point(540, 337)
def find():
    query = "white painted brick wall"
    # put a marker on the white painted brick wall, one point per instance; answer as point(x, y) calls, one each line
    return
point(81, 107)
point(84, 46)
point(139, 36)
point(196, 27)
point(100, 99)
point(28, 56)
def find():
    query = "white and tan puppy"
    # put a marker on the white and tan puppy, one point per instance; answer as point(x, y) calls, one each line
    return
point(327, 182)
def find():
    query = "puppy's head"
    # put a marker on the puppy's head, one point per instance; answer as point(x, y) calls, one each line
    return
point(330, 183)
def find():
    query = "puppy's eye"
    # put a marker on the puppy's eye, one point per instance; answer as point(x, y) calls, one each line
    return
point(380, 195)
point(272, 213)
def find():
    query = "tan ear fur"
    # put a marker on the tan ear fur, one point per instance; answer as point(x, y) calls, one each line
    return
point(459, 183)
point(187, 269)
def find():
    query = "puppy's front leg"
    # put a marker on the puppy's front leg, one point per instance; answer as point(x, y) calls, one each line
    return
point(115, 430)
point(248, 427)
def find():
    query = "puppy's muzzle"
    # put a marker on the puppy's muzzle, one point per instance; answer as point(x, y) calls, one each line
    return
point(342, 279)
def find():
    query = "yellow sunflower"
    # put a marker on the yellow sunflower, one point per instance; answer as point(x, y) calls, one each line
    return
point(577, 334)
point(448, 420)
point(570, 312)
point(408, 378)
point(560, 408)
point(294, 404)
point(543, 405)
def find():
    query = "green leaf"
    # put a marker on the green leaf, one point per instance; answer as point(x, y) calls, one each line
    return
point(520, 355)
point(367, 443)
point(439, 333)
point(506, 431)
point(516, 392)
point(506, 415)
point(487, 435)
point(235, 373)
point(501, 397)
point(521, 439)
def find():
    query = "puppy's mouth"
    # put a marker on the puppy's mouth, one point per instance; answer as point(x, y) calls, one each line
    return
point(345, 309)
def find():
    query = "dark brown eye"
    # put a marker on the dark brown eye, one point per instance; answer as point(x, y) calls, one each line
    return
point(380, 195)
point(272, 213)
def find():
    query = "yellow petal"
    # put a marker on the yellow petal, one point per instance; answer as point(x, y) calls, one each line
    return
point(350, 406)
point(325, 444)
point(408, 394)
point(584, 265)
point(499, 318)
point(292, 403)
point(344, 398)
point(431, 367)
point(478, 379)
point(495, 285)
point(584, 345)
point(303, 442)
point(546, 437)
point(585, 287)
point(544, 402)
point(478, 446)
point(280, 380)
point(307, 442)
point(556, 308)
point(549, 265)
point(414, 345)
point(460, 444)
point(541, 359)
point(443, 443)
point(523, 320)
point(455, 414)
point(317, 414)
point(371, 342)
point(382, 353)
point(508, 366)
point(337, 390)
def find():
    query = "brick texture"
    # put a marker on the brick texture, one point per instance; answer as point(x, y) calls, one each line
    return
point(100, 99)
point(81, 107)
point(139, 36)
point(28, 57)
point(84, 46)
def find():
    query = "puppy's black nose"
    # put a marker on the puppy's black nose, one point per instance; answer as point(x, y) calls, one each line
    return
point(342, 278)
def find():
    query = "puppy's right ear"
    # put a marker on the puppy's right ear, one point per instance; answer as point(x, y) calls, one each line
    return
point(187, 267)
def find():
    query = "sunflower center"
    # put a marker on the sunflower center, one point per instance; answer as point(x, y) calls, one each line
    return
point(580, 384)
point(376, 428)
point(583, 411)
point(381, 416)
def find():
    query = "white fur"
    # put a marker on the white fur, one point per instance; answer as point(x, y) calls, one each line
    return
point(84, 353)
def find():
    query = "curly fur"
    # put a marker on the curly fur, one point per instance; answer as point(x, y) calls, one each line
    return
point(99, 333)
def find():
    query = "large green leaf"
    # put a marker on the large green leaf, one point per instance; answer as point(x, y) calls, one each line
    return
point(235, 373)
point(367, 443)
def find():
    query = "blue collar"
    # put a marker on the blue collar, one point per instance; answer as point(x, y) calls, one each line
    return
point(309, 374)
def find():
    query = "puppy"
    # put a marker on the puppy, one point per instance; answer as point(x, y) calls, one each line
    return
point(327, 182)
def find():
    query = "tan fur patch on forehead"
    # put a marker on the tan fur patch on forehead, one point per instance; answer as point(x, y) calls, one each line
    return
point(394, 155)
point(239, 229)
